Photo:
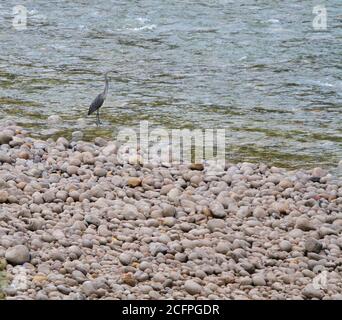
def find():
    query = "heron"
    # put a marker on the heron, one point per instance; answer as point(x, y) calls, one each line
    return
point(99, 100)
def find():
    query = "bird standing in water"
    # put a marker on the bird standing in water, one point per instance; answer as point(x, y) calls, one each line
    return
point(99, 100)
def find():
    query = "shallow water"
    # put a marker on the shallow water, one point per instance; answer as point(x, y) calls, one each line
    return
point(257, 69)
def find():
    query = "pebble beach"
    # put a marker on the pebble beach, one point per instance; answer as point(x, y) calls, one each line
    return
point(76, 223)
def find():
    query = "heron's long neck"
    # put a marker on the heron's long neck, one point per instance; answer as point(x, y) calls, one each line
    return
point(106, 85)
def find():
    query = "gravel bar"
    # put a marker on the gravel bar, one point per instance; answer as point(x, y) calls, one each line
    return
point(76, 223)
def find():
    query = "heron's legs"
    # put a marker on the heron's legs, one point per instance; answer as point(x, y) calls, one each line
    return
point(98, 122)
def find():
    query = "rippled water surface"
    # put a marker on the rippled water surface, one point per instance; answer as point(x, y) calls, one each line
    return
point(256, 68)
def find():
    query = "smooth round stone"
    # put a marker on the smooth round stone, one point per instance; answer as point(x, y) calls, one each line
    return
point(217, 209)
point(181, 257)
point(88, 158)
point(223, 247)
point(4, 158)
point(88, 288)
point(5, 138)
point(319, 172)
point(304, 224)
point(145, 265)
point(125, 259)
point(285, 245)
point(156, 248)
point(286, 183)
point(79, 276)
point(246, 281)
point(92, 220)
point(3, 196)
point(258, 280)
point(72, 170)
point(35, 224)
point(100, 172)
point(17, 255)
point(103, 231)
point(134, 182)
point(244, 212)
point(62, 141)
point(49, 196)
point(192, 287)
point(54, 119)
point(216, 225)
point(169, 221)
point(56, 254)
point(100, 142)
point(173, 195)
point(311, 292)
point(259, 213)
point(87, 243)
point(168, 210)
point(313, 245)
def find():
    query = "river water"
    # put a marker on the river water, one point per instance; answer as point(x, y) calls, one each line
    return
point(259, 69)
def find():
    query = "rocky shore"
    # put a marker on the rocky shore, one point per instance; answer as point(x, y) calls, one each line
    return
point(75, 223)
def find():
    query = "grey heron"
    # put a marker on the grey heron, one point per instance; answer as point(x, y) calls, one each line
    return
point(99, 100)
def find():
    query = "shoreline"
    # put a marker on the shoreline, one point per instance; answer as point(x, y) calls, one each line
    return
point(76, 224)
point(289, 160)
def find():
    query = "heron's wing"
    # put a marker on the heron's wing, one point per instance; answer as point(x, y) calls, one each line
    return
point(96, 104)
